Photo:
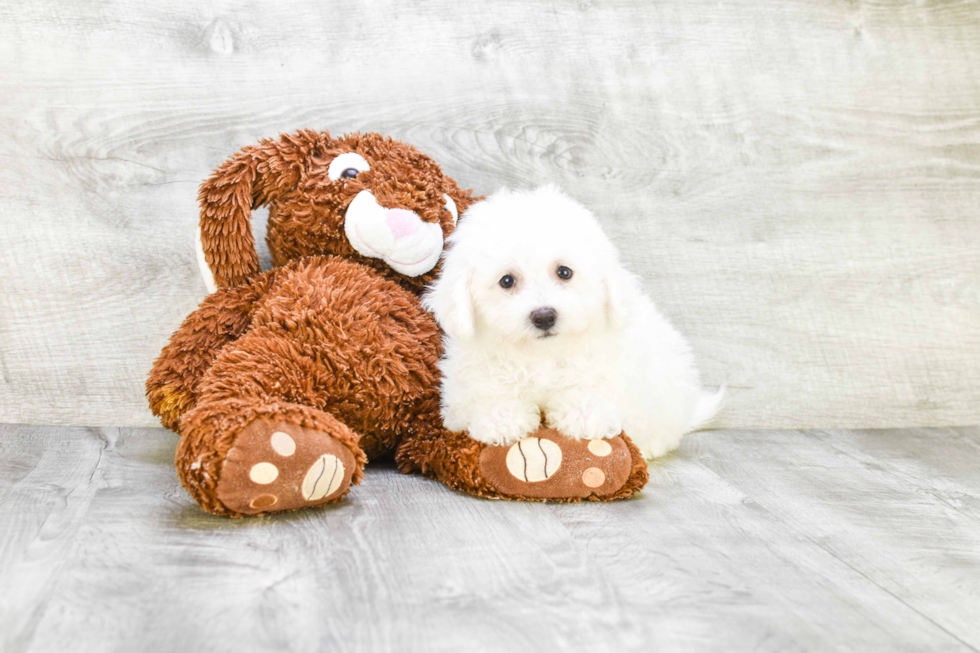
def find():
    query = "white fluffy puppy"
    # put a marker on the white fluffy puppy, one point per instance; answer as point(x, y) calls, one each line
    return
point(541, 318)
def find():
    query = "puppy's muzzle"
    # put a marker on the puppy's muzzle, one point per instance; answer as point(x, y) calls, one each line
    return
point(544, 318)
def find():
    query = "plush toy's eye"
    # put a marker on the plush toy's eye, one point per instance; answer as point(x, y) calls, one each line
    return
point(451, 207)
point(347, 166)
point(564, 273)
point(507, 281)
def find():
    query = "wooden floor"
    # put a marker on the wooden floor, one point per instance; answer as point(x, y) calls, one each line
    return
point(744, 540)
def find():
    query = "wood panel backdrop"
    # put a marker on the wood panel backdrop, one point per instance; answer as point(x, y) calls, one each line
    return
point(798, 183)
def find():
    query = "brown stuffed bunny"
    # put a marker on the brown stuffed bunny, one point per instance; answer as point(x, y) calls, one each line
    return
point(283, 384)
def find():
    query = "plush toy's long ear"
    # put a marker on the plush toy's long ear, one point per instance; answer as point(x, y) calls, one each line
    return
point(251, 178)
point(449, 300)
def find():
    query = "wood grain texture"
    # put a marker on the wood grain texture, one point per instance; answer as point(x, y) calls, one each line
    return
point(796, 182)
point(743, 541)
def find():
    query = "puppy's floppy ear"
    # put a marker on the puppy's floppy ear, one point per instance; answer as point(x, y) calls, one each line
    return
point(619, 286)
point(450, 301)
point(251, 178)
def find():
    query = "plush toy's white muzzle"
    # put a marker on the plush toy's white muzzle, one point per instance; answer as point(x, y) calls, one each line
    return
point(397, 236)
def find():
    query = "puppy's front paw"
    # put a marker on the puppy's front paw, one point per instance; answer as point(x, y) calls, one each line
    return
point(504, 423)
point(585, 417)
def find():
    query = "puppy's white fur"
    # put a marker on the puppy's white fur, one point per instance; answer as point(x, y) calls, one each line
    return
point(612, 361)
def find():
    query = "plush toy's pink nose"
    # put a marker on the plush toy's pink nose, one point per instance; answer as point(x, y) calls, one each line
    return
point(403, 223)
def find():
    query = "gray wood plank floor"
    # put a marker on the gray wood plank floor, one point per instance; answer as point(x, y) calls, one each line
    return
point(744, 540)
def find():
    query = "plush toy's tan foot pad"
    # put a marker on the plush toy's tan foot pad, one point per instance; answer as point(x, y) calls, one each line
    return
point(547, 465)
point(276, 466)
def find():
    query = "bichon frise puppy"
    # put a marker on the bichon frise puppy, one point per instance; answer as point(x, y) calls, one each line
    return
point(542, 318)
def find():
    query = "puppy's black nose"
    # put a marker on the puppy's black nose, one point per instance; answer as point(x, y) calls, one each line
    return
point(544, 318)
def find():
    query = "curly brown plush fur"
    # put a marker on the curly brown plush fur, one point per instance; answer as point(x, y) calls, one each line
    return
point(306, 208)
point(283, 384)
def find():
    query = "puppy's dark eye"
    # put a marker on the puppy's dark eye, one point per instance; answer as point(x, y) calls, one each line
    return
point(507, 281)
point(349, 173)
point(564, 273)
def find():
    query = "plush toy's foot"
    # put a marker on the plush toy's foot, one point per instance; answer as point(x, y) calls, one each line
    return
point(275, 466)
point(550, 466)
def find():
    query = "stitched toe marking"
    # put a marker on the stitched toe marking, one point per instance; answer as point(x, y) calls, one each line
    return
point(263, 473)
point(264, 501)
point(600, 448)
point(323, 478)
point(283, 444)
point(533, 460)
point(593, 477)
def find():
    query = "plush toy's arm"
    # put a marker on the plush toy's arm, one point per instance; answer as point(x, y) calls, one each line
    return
point(172, 385)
